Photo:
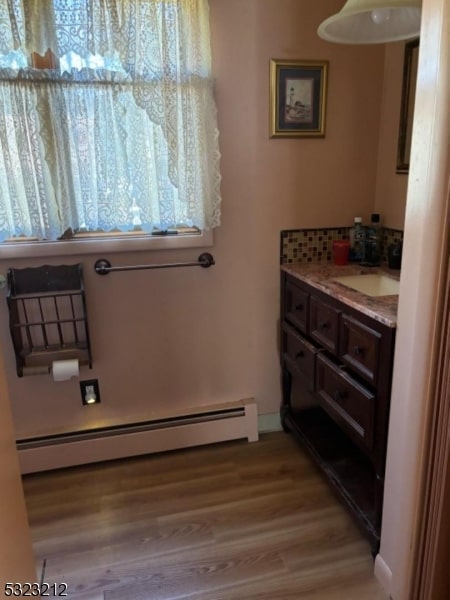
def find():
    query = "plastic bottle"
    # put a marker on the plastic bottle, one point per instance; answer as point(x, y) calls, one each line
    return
point(356, 236)
point(372, 243)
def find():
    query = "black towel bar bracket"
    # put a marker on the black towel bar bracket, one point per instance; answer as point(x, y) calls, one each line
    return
point(103, 266)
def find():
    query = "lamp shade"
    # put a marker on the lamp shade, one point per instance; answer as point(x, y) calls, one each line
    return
point(373, 22)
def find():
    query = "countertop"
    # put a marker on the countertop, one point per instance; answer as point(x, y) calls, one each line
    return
point(321, 275)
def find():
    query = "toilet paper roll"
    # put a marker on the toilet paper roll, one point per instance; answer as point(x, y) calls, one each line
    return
point(63, 370)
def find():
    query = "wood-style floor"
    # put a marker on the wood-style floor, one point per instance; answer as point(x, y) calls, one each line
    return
point(232, 521)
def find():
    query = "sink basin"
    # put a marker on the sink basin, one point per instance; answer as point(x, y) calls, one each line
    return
point(373, 284)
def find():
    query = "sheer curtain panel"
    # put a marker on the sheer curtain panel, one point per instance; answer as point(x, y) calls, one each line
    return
point(107, 117)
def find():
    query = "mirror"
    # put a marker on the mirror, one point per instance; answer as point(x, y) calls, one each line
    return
point(407, 105)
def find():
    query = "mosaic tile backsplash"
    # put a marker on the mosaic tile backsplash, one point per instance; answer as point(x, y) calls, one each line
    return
point(315, 245)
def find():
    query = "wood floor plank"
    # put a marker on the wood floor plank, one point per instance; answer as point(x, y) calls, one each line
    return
point(222, 522)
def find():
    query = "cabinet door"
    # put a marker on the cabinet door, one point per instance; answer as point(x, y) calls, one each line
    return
point(325, 324)
point(296, 306)
point(299, 355)
point(360, 348)
point(347, 402)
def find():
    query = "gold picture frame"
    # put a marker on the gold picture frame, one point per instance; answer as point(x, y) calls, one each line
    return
point(298, 92)
point(410, 64)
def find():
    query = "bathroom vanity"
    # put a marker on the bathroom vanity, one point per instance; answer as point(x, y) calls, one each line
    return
point(337, 346)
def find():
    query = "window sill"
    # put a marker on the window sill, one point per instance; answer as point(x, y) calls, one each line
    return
point(76, 247)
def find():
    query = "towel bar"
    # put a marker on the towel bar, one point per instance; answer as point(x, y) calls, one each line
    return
point(103, 266)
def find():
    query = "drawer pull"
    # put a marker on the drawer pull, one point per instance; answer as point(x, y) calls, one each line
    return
point(299, 307)
point(300, 354)
point(324, 325)
point(339, 395)
point(358, 351)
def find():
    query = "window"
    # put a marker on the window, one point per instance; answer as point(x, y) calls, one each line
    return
point(107, 119)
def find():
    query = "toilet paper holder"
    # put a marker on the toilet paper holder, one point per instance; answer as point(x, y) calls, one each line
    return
point(47, 317)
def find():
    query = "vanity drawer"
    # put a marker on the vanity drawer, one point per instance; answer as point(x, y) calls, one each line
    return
point(360, 347)
point(296, 305)
point(324, 324)
point(300, 355)
point(346, 401)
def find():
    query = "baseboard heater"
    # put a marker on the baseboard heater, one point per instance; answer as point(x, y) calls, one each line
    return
point(203, 425)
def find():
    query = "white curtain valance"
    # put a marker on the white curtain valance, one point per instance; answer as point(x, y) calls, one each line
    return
point(151, 38)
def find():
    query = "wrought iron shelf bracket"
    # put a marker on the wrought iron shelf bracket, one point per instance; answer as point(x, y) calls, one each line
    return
point(103, 266)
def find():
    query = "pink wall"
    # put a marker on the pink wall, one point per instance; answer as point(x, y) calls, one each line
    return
point(163, 340)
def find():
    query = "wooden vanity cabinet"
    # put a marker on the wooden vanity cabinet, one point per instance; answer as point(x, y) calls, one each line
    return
point(336, 374)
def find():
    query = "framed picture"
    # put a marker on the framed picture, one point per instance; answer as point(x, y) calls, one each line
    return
point(298, 90)
point(410, 63)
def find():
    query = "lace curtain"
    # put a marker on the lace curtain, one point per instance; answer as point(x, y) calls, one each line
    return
point(121, 132)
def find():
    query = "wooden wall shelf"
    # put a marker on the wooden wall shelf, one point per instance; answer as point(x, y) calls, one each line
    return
point(47, 317)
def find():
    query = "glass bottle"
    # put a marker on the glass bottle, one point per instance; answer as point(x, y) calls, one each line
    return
point(356, 236)
point(372, 243)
